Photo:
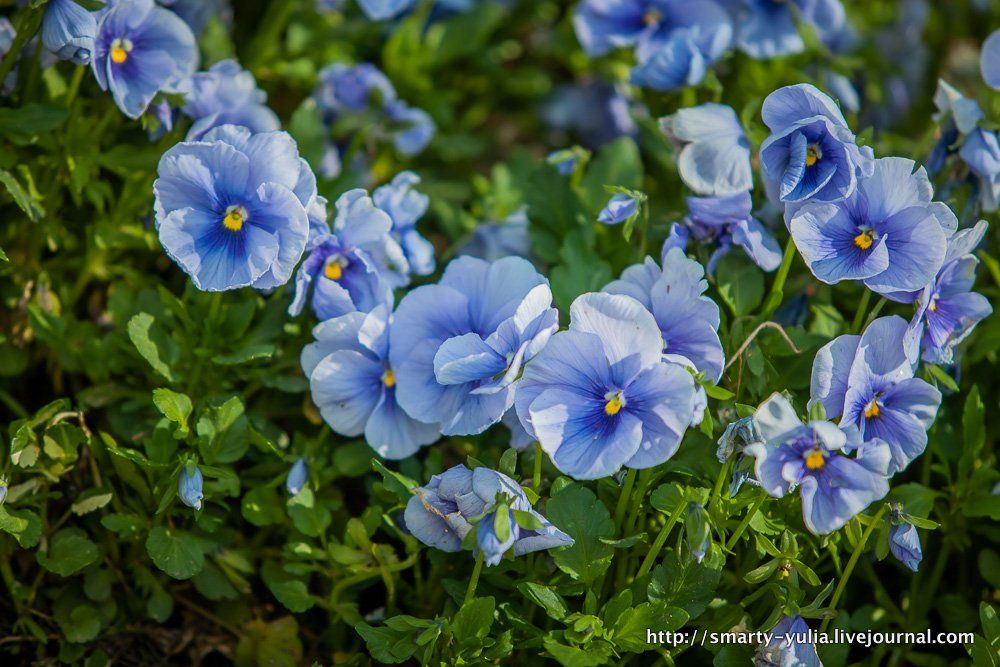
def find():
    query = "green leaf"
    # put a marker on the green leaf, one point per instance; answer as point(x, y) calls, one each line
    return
point(546, 598)
point(942, 376)
point(474, 620)
point(174, 406)
point(91, 500)
point(23, 524)
point(31, 207)
point(395, 482)
point(246, 355)
point(290, 591)
point(527, 520)
point(685, 583)
point(597, 653)
point(177, 553)
point(261, 506)
point(973, 430)
point(213, 584)
point(142, 334)
point(70, 550)
point(21, 124)
point(309, 517)
point(740, 284)
point(124, 525)
point(577, 511)
point(501, 522)
point(630, 629)
point(508, 462)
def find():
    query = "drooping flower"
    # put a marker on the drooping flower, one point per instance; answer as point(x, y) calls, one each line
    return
point(566, 160)
point(888, 233)
point(140, 50)
point(345, 88)
point(715, 155)
point(226, 94)
point(989, 60)
point(601, 395)
point(767, 29)
point(868, 382)
point(619, 208)
point(458, 346)
point(981, 151)
point(69, 31)
point(440, 515)
point(230, 210)
point(674, 40)
point(812, 456)
point(687, 319)
point(354, 385)
point(726, 222)
point(405, 206)
point(696, 530)
point(947, 309)
point(189, 486)
point(415, 127)
point(495, 240)
point(297, 477)
point(811, 153)
point(787, 648)
point(354, 268)
point(904, 544)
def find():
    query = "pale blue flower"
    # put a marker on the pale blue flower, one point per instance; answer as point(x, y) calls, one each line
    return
point(405, 206)
point(226, 94)
point(458, 346)
point(297, 477)
point(786, 649)
point(989, 60)
point(767, 28)
point(189, 486)
point(904, 544)
point(69, 31)
point(619, 208)
point(714, 158)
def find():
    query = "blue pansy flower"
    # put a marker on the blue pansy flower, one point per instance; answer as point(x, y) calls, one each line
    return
point(405, 206)
point(414, 130)
point(904, 543)
point(947, 309)
point(380, 10)
point(354, 385)
point(226, 94)
point(493, 240)
point(688, 320)
point(726, 221)
point(674, 40)
point(197, 13)
point(140, 50)
point(989, 60)
point(297, 477)
point(598, 112)
point(346, 88)
point(354, 268)
point(767, 28)
point(227, 209)
point(69, 31)
point(440, 514)
point(868, 382)
point(812, 457)
point(601, 395)
point(811, 153)
point(714, 157)
point(789, 646)
point(565, 160)
point(619, 208)
point(887, 234)
point(189, 486)
point(981, 152)
point(458, 346)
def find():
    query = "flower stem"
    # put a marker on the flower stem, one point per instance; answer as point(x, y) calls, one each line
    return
point(853, 561)
point(536, 476)
point(879, 305)
point(859, 316)
point(661, 538)
point(645, 477)
point(623, 499)
point(740, 529)
point(777, 289)
point(470, 592)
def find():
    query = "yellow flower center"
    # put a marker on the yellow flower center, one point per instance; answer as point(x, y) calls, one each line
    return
point(813, 154)
point(871, 410)
point(865, 239)
point(652, 17)
point(815, 460)
point(120, 49)
point(615, 402)
point(235, 217)
point(389, 378)
point(933, 305)
point(334, 270)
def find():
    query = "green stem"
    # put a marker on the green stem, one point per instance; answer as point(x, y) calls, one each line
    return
point(623, 499)
point(777, 288)
point(644, 231)
point(470, 592)
point(536, 476)
point(661, 538)
point(27, 26)
point(879, 305)
point(719, 481)
point(74, 85)
point(740, 529)
point(859, 316)
point(842, 584)
point(645, 477)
